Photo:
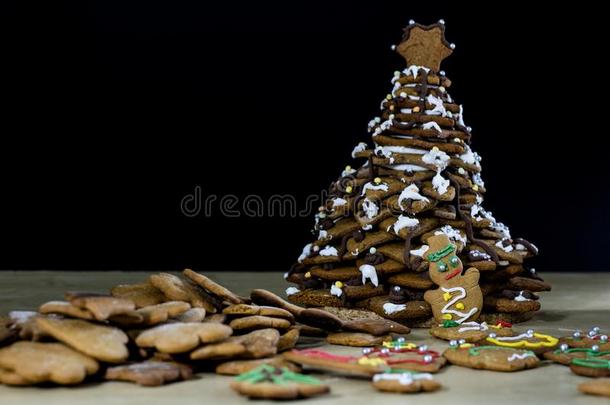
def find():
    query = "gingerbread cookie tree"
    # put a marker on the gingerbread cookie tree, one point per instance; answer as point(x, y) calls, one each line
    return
point(419, 178)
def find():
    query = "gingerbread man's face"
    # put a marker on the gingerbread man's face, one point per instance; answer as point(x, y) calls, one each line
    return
point(444, 263)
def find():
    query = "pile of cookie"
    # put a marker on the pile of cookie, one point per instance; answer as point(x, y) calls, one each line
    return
point(419, 179)
point(166, 328)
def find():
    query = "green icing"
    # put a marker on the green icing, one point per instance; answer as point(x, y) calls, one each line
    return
point(590, 352)
point(592, 363)
point(450, 324)
point(436, 256)
point(267, 373)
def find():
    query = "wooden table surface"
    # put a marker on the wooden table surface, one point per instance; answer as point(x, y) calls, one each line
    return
point(578, 301)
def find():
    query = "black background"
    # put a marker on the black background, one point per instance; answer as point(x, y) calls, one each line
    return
point(114, 111)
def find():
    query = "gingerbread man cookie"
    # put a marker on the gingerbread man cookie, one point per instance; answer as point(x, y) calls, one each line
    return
point(459, 297)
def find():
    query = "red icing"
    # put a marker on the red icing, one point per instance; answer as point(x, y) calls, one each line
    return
point(504, 324)
point(320, 354)
point(455, 273)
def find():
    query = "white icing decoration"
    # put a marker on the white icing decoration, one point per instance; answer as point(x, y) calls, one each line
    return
point(440, 184)
point(323, 235)
point(406, 167)
point(461, 295)
point(334, 290)
point(478, 180)
point(517, 356)
point(375, 187)
point(387, 151)
point(403, 222)
point(329, 251)
point(438, 107)
point(306, 252)
point(292, 290)
point(521, 298)
point(466, 326)
point(414, 70)
point(461, 117)
point(369, 273)
point(367, 227)
point(432, 125)
point(451, 233)
point(415, 98)
point(410, 192)
point(421, 251)
point(361, 147)
point(437, 158)
point(339, 202)
point(390, 308)
point(518, 337)
point(468, 156)
point(355, 252)
point(474, 212)
point(402, 378)
point(370, 208)
point(348, 172)
point(509, 248)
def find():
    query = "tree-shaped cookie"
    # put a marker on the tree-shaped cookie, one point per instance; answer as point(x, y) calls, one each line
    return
point(459, 297)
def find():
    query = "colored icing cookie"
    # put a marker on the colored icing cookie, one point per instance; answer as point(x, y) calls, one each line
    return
point(405, 382)
point(470, 332)
point(493, 358)
point(348, 365)
point(27, 363)
point(458, 297)
point(237, 367)
point(268, 382)
point(534, 341)
point(591, 367)
point(594, 337)
point(598, 386)
point(564, 355)
point(150, 373)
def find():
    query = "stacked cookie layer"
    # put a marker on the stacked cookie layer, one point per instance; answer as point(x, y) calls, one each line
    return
point(420, 177)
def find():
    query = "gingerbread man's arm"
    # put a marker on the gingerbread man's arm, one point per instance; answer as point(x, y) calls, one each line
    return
point(471, 276)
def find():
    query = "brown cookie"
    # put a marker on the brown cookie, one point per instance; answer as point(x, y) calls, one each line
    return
point(24, 323)
point(310, 331)
point(527, 283)
point(264, 297)
point(254, 345)
point(405, 382)
point(102, 307)
point(212, 287)
point(591, 367)
point(470, 332)
point(236, 367)
point(320, 318)
point(253, 322)
point(192, 315)
point(246, 310)
point(352, 314)
point(182, 337)
point(459, 297)
point(495, 317)
point(268, 382)
point(288, 340)
point(493, 358)
point(506, 305)
point(356, 339)
point(150, 373)
point(598, 386)
point(315, 298)
point(142, 295)
point(104, 343)
point(564, 355)
point(419, 281)
point(159, 313)
point(26, 363)
point(7, 333)
point(176, 289)
point(65, 308)
point(376, 327)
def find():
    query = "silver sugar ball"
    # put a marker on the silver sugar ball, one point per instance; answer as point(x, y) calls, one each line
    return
point(453, 343)
point(411, 22)
point(396, 288)
point(461, 341)
point(564, 347)
point(591, 333)
point(441, 21)
point(452, 46)
point(595, 348)
point(603, 338)
point(530, 332)
point(367, 350)
point(393, 47)
point(422, 348)
point(400, 340)
point(493, 335)
point(428, 358)
point(576, 335)
point(385, 350)
point(442, 73)
point(595, 329)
